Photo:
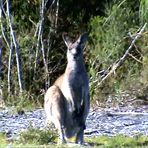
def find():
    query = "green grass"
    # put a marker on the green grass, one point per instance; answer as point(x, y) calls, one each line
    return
point(37, 136)
point(119, 141)
point(3, 141)
point(44, 139)
point(23, 102)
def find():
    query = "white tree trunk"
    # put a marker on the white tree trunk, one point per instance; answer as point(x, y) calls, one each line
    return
point(1, 93)
point(13, 36)
point(0, 58)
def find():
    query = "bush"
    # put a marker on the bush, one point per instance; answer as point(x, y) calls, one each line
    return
point(109, 37)
point(36, 136)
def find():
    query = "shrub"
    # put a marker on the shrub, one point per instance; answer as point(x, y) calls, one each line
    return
point(109, 39)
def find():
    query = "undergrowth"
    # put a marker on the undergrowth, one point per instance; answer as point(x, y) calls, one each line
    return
point(37, 136)
point(24, 101)
point(46, 138)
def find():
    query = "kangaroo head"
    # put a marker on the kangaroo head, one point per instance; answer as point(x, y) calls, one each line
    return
point(75, 50)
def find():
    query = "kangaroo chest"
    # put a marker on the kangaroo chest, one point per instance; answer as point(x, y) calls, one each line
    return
point(74, 87)
point(75, 80)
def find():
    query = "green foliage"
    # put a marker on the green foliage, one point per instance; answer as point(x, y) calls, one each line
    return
point(34, 79)
point(24, 101)
point(109, 41)
point(144, 49)
point(37, 137)
point(108, 33)
point(3, 141)
point(118, 141)
point(143, 12)
point(108, 23)
point(23, 17)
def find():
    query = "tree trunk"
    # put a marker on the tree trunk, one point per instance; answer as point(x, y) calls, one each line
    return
point(1, 92)
point(10, 69)
point(13, 36)
point(0, 59)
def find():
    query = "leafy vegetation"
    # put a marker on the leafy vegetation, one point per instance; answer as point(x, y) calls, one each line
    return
point(40, 138)
point(111, 25)
point(110, 38)
point(36, 136)
point(118, 141)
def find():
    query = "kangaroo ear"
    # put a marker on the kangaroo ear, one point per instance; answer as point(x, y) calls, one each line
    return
point(82, 39)
point(66, 40)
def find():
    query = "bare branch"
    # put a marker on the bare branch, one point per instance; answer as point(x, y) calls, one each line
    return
point(49, 3)
point(1, 23)
point(10, 67)
point(39, 31)
point(56, 16)
point(135, 58)
point(134, 44)
point(43, 53)
point(9, 46)
point(0, 58)
point(40, 43)
point(1, 93)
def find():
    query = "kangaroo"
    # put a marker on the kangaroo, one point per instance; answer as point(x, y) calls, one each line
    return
point(56, 109)
point(70, 94)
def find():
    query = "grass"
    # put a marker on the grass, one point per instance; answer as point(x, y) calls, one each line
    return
point(23, 102)
point(37, 136)
point(44, 139)
point(119, 141)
